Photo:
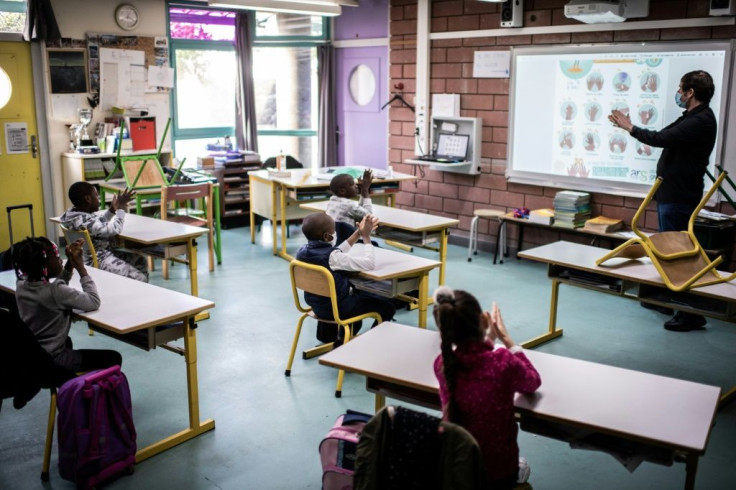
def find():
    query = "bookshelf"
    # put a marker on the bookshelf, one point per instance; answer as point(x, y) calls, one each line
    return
point(231, 173)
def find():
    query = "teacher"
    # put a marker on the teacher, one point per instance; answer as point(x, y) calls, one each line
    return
point(687, 144)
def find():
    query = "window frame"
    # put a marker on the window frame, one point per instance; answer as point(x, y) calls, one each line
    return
point(282, 44)
point(19, 7)
point(300, 41)
point(196, 133)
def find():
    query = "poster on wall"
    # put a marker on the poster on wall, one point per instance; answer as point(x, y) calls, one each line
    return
point(16, 138)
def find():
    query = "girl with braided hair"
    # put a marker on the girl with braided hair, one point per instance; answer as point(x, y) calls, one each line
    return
point(478, 381)
point(45, 301)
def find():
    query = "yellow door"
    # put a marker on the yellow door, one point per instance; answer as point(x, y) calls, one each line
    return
point(20, 165)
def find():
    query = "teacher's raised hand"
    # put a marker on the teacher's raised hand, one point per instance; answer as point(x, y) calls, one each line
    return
point(620, 120)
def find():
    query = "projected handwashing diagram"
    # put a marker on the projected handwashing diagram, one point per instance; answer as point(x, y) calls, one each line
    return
point(586, 89)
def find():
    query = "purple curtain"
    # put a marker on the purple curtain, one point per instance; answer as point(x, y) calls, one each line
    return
point(327, 125)
point(246, 129)
point(40, 22)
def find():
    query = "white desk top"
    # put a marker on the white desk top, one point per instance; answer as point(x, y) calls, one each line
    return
point(583, 257)
point(129, 305)
point(625, 403)
point(403, 219)
point(151, 231)
point(391, 264)
point(303, 178)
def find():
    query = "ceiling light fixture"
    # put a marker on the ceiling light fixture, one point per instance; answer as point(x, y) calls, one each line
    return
point(325, 8)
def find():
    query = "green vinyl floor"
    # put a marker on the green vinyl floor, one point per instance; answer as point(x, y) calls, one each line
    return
point(268, 426)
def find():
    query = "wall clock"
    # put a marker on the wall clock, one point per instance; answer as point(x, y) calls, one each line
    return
point(127, 17)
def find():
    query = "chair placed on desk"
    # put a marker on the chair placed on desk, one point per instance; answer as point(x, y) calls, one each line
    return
point(677, 255)
point(318, 280)
point(176, 194)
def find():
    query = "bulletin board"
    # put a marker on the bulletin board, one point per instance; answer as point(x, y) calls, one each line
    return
point(155, 51)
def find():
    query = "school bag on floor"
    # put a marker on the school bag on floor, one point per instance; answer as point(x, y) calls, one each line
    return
point(338, 450)
point(97, 437)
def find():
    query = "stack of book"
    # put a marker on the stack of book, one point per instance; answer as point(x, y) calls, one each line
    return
point(233, 157)
point(601, 224)
point(544, 216)
point(572, 209)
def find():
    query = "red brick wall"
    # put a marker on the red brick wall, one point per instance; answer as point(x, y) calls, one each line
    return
point(451, 65)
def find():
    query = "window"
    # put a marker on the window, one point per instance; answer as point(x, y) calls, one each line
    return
point(286, 101)
point(12, 16)
point(203, 101)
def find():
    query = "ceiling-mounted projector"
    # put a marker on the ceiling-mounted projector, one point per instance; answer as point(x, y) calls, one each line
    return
point(604, 11)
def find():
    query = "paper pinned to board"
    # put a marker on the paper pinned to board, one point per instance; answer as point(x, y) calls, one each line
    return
point(122, 78)
point(160, 76)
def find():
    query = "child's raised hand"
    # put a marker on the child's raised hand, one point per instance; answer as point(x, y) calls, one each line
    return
point(366, 226)
point(487, 325)
point(498, 327)
point(122, 200)
point(365, 183)
point(74, 253)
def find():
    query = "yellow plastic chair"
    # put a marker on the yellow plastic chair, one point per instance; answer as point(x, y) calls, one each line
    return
point(318, 280)
point(88, 248)
point(49, 437)
point(177, 194)
point(677, 255)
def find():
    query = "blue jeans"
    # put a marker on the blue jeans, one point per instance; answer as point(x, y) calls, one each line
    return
point(674, 216)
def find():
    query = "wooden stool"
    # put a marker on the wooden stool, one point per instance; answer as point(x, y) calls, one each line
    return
point(487, 214)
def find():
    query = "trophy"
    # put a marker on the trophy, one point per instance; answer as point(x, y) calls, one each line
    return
point(85, 117)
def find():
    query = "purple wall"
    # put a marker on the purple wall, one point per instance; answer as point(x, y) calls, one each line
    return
point(368, 21)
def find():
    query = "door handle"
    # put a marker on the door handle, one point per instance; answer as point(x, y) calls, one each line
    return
point(34, 146)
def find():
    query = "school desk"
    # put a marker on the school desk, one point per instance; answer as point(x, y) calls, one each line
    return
point(397, 273)
point(522, 223)
point(143, 231)
point(132, 309)
point(574, 264)
point(644, 410)
point(278, 198)
point(410, 227)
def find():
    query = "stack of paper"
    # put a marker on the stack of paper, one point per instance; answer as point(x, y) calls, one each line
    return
point(544, 216)
point(572, 209)
point(601, 224)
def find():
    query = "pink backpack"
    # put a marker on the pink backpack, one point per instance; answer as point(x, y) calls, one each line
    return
point(338, 450)
point(97, 437)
